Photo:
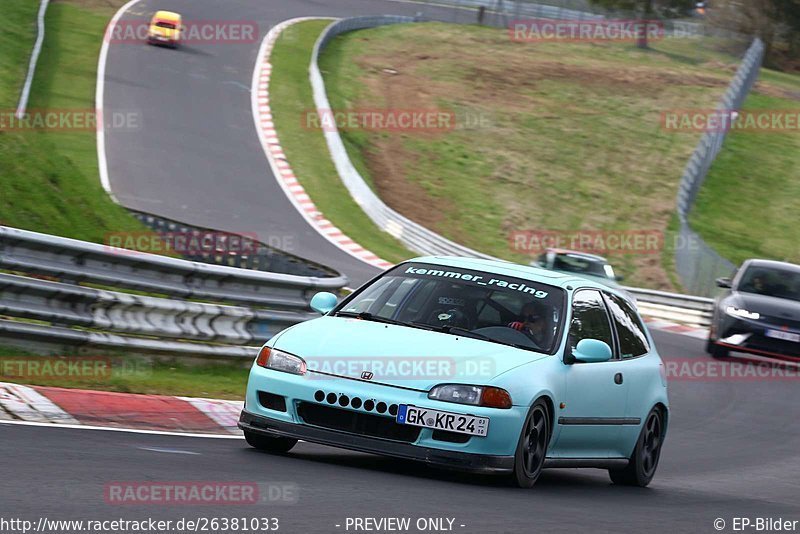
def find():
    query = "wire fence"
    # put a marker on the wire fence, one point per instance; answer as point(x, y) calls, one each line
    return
point(698, 265)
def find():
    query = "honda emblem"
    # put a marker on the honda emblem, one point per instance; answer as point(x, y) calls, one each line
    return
point(366, 375)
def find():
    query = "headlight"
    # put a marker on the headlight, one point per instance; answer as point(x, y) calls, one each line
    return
point(741, 312)
point(281, 361)
point(488, 396)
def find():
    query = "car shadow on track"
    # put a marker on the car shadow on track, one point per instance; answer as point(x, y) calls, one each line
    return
point(550, 478)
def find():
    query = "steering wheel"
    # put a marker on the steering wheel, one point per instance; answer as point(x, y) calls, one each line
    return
point(450, 317)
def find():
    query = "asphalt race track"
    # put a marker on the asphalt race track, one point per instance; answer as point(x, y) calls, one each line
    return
point(196, 156)
point(731, 452)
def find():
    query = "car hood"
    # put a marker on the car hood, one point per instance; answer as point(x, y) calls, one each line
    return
point(772, 307)
point(398, 355)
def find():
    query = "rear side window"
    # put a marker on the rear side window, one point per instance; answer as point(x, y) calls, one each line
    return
point(632, 339)
point(589, 319)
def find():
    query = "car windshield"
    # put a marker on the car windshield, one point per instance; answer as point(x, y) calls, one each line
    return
point(781, 283)
point(167, 25)
point(573, 263)
point(464, 302)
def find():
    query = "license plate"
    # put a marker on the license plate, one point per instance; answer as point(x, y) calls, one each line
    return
point(451, 422)
point(786, 336)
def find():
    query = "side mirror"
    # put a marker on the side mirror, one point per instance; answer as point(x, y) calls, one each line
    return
point(323, 302)
point(724, 282)
point(592, 351)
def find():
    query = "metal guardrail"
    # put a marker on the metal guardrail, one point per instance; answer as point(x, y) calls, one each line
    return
point(415, 236)
point(64, 314)
point(25, 94)
point(79, 261)
point(685, 309)
point(699, 265)
point(55, 315)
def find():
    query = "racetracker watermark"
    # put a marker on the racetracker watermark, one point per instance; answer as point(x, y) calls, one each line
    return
point(70, 120)
point(190, 243)
point(732, 370)
point(200, 493)
point(543, 30)
point(403, 367)
point(381, 120)
point(191, 32)
point(66, 368)
point(727, 120)
point(592, 241)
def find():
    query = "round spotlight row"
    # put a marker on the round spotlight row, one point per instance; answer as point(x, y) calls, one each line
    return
point(355, 402)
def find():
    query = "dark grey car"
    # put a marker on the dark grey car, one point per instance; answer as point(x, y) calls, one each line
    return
point(759, 312)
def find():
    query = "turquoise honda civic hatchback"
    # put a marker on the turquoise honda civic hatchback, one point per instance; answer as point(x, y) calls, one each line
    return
point(468, 364)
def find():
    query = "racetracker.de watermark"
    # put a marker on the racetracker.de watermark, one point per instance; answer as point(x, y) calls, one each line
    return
point(190, 243)
point(380, 120)
point(70, 120)
point(67, 368)
point(192, 32)
point(200, 493)
point(534, 242)
point(731, 370)
point(544, 30)
point(727, 120)
point(403, 367)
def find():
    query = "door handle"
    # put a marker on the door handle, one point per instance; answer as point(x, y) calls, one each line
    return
point(618, 378)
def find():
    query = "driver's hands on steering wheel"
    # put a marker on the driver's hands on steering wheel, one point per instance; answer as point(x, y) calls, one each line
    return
point(517, 325)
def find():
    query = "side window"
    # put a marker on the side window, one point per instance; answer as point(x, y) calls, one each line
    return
point(632, 339)
point(589, 319)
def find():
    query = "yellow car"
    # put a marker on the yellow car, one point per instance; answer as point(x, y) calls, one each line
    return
point(165, 29)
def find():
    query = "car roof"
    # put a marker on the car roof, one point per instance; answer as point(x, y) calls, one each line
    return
point(507, 268)
point(771, 264)
point(586, 255)
point(167, 16)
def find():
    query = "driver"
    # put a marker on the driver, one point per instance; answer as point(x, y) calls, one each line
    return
point(532, 323)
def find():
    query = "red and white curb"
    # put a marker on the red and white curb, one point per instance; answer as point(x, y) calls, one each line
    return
point(262, 115)
point(698, 332)
point(102, 409)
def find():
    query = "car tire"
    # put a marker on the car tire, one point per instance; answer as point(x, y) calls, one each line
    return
point(532, 445)
point(643, 462)
point(269, 444)
point(716, 351)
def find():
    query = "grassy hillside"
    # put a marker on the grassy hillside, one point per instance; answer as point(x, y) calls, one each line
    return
point(749, 204)
point(49, 180)
point(549, 136)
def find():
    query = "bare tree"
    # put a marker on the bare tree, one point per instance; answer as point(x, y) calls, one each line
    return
point(776, 22)
point(648, 9)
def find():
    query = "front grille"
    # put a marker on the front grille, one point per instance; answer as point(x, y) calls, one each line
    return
point(778, 346)
point(363, 424)
point(792, 324)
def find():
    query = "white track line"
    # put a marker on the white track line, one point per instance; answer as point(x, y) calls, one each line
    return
point(99, 98)
point(115, 429)
point(281, 169)
point(37, 48)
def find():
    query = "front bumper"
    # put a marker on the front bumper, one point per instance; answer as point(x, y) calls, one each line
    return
point(479, 463)
point(751, 337)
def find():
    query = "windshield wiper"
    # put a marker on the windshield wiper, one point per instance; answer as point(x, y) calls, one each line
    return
point(455, 330)
point(367, 316)
point(458, 331)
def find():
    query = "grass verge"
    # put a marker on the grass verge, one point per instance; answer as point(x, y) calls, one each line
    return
point(129, 374)
point(749, 202)
point(305, 148)
point(49, 180)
